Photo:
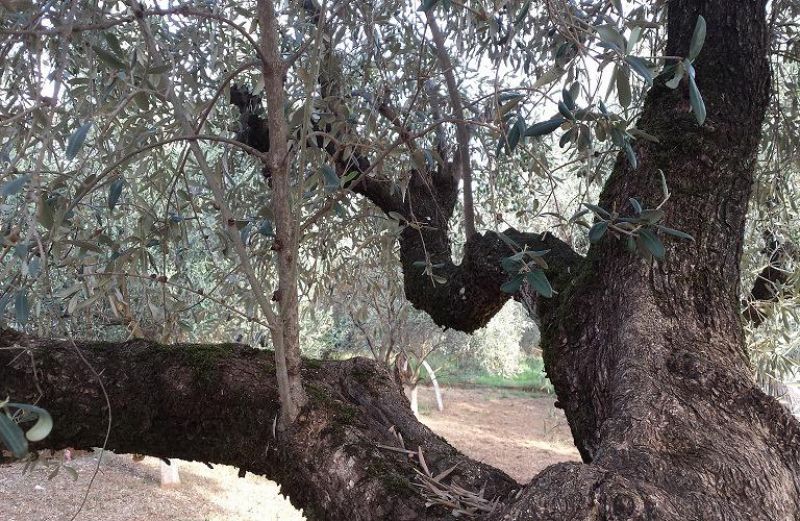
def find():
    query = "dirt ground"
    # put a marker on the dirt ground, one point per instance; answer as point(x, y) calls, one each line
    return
point(508, 429)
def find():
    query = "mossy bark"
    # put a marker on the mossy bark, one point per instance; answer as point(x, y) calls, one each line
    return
point(219, 404)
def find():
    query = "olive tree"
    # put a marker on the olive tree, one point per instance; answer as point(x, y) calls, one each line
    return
point(645, 148)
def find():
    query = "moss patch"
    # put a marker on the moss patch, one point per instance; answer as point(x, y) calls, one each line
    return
point(343, 413)
point(202, 358)
point(397, 484)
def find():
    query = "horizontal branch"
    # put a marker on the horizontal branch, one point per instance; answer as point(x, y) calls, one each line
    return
point(218, 404)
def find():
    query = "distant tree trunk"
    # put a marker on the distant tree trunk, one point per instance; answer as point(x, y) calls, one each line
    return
point(414, 398)
point(169, 474)
point(435, 383)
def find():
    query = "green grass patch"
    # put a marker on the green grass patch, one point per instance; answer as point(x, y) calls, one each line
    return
point(530, 378)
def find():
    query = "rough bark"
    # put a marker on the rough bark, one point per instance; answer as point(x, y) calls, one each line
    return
point(219, 403)
point(647, 357)
point(471, 295)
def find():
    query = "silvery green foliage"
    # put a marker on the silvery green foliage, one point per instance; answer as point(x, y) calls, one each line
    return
point(109, 229)
point(498, 346)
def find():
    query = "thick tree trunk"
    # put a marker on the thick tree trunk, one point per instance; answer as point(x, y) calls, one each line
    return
point(647, 357)
point(219, 403)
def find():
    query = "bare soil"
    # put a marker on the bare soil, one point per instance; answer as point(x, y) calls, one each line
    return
point(511, 430)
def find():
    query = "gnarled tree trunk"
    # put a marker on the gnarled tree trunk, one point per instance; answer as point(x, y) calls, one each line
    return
point(646, 357)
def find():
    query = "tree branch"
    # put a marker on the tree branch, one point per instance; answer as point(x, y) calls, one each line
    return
point(465, 296)
point(287, 351)
point(768, 286)
point(218, 404)
point(462, 132)
point(470, 295)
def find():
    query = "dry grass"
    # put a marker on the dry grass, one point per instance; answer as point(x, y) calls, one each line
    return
point(510, 430)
